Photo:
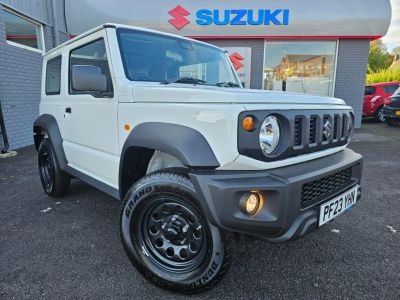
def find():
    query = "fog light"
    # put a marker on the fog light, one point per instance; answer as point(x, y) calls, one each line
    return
point(250, 203)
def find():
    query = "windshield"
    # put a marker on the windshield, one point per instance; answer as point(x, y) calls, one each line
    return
point(158, 58)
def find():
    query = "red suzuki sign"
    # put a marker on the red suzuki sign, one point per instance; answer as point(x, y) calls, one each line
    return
point(236, 59)
point(241, 61)
point(179, 13)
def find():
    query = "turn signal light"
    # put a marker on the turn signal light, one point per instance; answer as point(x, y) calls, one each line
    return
point(127, 127)
point(249, 123)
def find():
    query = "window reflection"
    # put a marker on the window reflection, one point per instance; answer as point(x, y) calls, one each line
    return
point(22, 31)
point(302, 67)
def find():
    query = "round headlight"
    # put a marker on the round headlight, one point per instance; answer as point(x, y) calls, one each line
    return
point(269, 135)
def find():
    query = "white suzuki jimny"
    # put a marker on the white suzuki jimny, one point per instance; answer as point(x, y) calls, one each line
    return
point(162, 123)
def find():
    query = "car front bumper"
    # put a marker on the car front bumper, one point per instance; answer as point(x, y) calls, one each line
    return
point(291, 195)
point(391, 112)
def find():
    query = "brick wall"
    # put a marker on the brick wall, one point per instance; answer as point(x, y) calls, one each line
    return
point(350, 74)
point(20, 78)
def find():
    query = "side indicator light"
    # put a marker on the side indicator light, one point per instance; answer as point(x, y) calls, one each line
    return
point(127, 127)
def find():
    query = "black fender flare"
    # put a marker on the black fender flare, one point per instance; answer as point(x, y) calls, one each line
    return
point(185, 143)
point(47, 123)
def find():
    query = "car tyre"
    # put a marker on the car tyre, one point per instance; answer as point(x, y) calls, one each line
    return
point(167, 237)
point(55, 182)
point(379, 115)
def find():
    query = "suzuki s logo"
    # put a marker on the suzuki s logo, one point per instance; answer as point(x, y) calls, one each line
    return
point(236, 60)
point(327, 131)
point(230, 17)
point(179, 21)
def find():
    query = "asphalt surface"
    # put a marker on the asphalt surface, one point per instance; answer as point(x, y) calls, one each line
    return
point(71, 248)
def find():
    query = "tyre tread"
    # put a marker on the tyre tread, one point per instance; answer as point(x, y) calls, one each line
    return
point(62, 180)
point(180, 175)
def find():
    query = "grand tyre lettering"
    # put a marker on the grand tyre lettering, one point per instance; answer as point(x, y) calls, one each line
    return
point(243, 17)
point(140, 194)
point(207, 276)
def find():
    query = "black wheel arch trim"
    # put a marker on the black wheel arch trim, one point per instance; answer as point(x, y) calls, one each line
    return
point(47, 123)
point(185, 143)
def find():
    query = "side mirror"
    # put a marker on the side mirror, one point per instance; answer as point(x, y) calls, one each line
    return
point(88, 78)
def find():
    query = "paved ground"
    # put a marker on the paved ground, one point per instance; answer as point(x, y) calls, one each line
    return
point(73, 249)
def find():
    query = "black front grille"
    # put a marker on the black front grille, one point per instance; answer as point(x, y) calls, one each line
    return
point(313, 130)
point(314, 190)
point(301, 132)
point(325, 130)
point(336, 126)
point(298, 129)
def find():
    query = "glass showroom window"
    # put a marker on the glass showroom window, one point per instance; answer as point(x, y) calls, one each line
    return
point(21, 31)
point(302, 67)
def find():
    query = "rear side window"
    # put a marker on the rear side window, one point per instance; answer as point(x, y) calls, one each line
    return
point(397, 92)
point(390, 89)
point(93, 54)
point(369, 90)
point(53, 76)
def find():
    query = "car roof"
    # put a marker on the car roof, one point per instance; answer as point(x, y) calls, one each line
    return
point(383, 83)
point(113, 25)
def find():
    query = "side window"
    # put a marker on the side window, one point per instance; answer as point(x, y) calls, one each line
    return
point(92, 54)
point(369, 90)
point(390, 89)
point(53, 76)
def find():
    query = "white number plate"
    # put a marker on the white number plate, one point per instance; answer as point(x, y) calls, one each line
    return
point(337, 206)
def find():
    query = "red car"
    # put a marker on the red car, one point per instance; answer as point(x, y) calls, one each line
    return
point(375, 96)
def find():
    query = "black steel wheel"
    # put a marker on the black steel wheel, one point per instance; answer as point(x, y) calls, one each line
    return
point(169, 239)
point(54, 181)
point(46, 169)
point(172, 232)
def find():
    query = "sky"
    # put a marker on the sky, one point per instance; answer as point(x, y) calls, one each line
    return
point(392, 38)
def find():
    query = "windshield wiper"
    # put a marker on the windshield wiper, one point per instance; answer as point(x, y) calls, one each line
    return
point(227, 84)
point(188, 80)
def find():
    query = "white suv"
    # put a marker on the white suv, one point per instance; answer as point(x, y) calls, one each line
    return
point(162, 123)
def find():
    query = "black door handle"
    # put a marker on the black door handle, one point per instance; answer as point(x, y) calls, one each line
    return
point(68, 110)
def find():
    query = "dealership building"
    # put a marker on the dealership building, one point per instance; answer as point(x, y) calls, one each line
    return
point(308, 46)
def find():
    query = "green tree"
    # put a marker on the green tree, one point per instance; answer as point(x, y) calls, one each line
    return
point(379, 57)
point(396, 50)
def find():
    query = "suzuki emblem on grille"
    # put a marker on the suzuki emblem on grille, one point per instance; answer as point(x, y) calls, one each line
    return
point(327, 130)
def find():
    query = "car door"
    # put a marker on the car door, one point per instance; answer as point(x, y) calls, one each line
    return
point(89, 120)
